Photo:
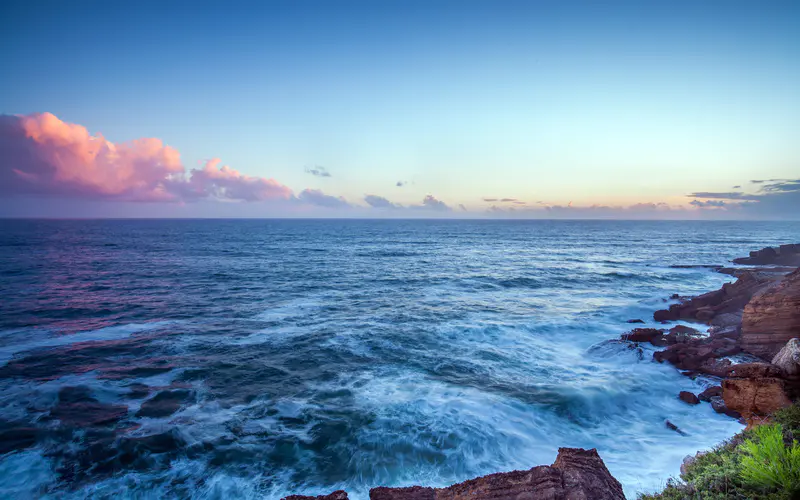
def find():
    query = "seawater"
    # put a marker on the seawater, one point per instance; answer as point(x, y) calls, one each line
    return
point(348, 354)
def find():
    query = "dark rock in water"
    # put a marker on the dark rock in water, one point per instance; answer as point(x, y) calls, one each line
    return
point(784, 255)
point(709, 393)
point(772, 318)
point(18, 438)
point(76, 408)
point(576, 474)
point(718, 404)
point(635, 321)
point(138, 391)
point(165, 403)
point(336, 495)
point(76, 394)
point(164, 442)
point(688, 397)
point(652, 335)
point(675, 428)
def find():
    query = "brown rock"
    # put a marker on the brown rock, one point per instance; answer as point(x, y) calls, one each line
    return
point(718, 404)
point(755, 397)
point(688, 397)
point(336, 495)
point(772, 318)
point(710, 393)
point(577, 474)
point(754, 370)
point(730, 299)
point(651, 335)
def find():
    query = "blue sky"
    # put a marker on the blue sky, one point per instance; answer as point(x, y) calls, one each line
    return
point(608, 104)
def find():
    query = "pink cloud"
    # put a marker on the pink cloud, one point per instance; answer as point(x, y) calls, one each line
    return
point(226, 183)
point(43, 155)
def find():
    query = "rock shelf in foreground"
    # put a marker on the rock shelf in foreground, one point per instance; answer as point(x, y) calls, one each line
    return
point(577, 474)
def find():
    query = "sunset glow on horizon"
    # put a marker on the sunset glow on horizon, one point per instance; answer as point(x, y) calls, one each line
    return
point(441, 109)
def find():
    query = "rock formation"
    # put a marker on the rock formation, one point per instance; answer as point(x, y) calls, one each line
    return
point(784, 255)
point(577, 474)
point(726, 303)
point(788, 358)
point(772, 318)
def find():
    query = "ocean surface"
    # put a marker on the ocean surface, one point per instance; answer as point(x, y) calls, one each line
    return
point(305, 356)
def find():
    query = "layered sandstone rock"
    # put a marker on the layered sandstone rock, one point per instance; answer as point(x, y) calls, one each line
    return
point(336, 495)
point(772, 318)
point(577, 474)
point(727, 302)
point(756, 390)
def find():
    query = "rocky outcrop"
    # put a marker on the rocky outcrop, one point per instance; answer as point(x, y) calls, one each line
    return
point(755, 397)
point(577, 474)
point(784, 255)
point(788, 358)
point(756, 390)
point(728, 300)
point(772, 318)
point(688, 397)
point(336, 495)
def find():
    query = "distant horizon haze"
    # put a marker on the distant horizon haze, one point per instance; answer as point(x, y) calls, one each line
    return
point(623, 110)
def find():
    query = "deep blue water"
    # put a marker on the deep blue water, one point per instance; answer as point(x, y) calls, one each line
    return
point(323, 354)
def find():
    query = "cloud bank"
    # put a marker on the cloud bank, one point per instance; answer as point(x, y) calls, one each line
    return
point(774, 198)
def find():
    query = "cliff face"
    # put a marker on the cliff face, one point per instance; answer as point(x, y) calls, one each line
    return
point(577, 474)
point(772, 318)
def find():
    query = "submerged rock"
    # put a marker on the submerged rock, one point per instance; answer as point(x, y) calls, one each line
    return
point(165, 403)
point(77, 408)
point(675, 428)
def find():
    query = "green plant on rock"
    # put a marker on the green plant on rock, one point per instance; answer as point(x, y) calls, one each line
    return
point(789, 418)
point(768, 464)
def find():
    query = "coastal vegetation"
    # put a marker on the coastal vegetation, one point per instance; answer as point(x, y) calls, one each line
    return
point(762, 463)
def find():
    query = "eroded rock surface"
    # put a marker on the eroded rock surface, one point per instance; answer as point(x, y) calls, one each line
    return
point(728, 300)
point(788, 358)
point(577, 474)
point(772, 318)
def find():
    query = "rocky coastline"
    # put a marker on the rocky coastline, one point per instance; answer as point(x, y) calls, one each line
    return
point(750, 355)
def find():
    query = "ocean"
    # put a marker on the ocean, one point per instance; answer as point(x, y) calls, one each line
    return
point(305, 356)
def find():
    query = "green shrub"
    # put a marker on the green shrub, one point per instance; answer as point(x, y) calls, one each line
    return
point(789, 418)
point(768, 464)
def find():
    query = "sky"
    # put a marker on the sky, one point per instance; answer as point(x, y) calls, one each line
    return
point(535, 109)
